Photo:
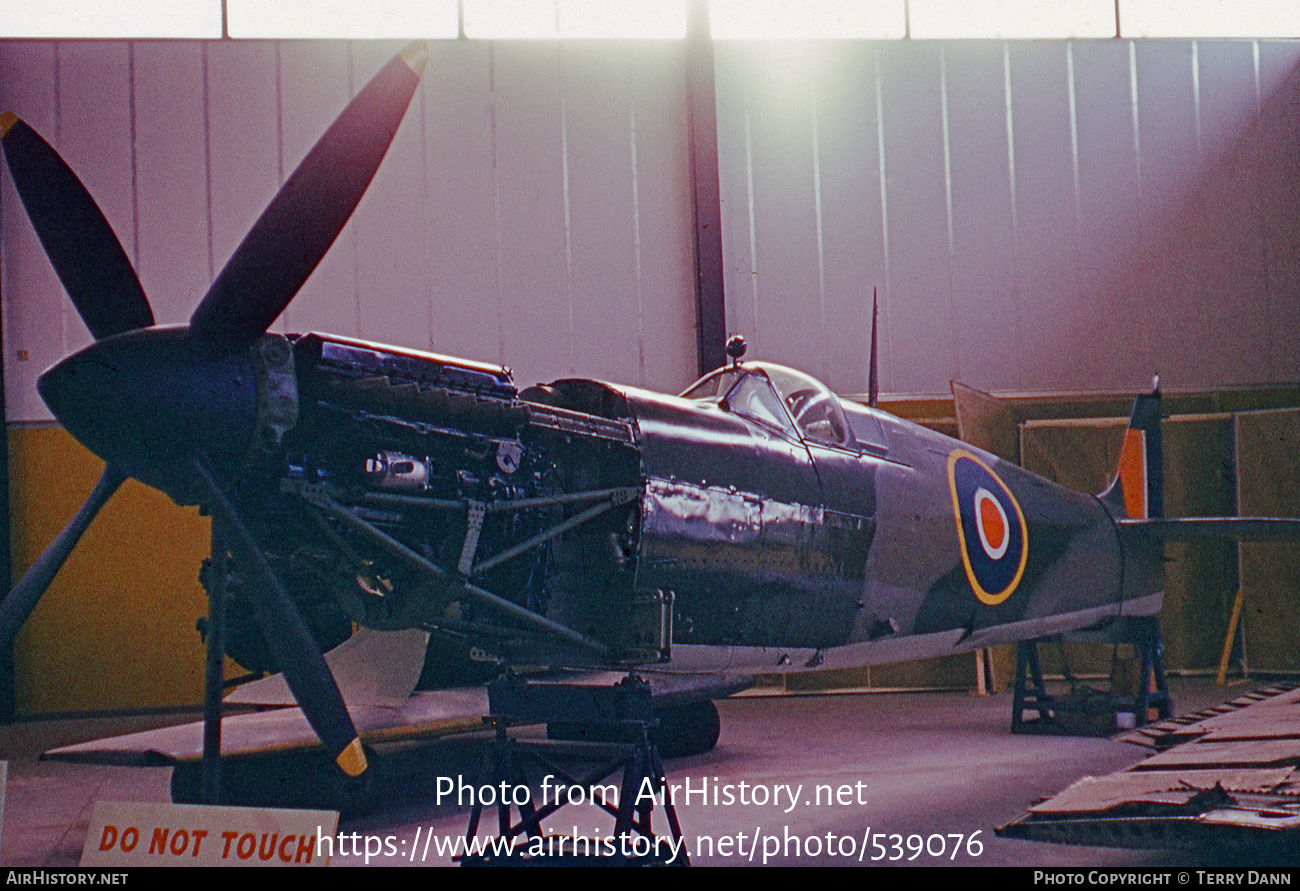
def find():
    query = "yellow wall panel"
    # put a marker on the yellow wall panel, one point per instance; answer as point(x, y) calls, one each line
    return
point(116, 628)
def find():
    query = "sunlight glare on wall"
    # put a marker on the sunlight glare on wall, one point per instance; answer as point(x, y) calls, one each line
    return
point(112, 18)
point(1209, 18)
point(343, 19)
point(550, 19)
point(802, 20)
point(1012, 19)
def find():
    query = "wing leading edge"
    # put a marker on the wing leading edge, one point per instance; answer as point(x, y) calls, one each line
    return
point(425, 715)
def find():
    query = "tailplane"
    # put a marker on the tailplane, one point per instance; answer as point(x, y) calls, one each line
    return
point(1136, 496)
point(1137, 492)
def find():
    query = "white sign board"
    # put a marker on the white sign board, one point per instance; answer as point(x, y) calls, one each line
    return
point(152, 834)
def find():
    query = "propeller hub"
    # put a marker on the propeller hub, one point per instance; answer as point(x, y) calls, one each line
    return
point(152, 400)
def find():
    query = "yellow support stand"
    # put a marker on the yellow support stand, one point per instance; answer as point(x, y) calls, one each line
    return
point(1233, 622)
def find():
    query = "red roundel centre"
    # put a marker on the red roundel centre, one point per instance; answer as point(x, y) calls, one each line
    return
point(991, 520)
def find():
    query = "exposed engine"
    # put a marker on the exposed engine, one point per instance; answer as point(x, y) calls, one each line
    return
point(402, 489)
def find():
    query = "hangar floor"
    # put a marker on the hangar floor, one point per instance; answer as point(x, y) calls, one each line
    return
point(904, 764)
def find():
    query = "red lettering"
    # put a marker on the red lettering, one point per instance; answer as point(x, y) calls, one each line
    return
point(287, 841)
point(180, 835)
point(158, 844)
point(306, 846)
point(252, 845)
point(229, 837)
point(130, 838)
point(265, 852)
point(109, 837)
point(199, 835)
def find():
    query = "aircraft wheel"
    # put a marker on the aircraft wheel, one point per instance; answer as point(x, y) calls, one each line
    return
point(689, 729)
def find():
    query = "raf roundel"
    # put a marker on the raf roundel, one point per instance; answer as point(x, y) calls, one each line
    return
point(990, 527)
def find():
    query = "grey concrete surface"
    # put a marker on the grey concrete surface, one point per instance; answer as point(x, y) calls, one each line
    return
point(909, 776)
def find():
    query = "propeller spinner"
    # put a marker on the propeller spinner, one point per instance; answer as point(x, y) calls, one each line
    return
point(176, 407)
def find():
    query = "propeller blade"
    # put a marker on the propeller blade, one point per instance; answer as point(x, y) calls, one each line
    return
point(16, 607)
point(295, 650)
point(82, 248)
point(293, 234)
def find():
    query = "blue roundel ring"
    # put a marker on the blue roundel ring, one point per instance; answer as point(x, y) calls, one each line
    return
point(991, 528)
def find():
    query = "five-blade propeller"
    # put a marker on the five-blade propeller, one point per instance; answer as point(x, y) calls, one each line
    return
point(200, 368)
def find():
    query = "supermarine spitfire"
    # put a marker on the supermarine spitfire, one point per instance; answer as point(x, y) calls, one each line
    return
point(755, 522)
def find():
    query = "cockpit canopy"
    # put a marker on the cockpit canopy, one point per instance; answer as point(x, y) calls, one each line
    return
point(779, 397)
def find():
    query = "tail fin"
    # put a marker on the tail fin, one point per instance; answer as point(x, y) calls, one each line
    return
point(1137, 491)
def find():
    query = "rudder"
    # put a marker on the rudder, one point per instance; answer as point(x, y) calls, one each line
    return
point(1137, 491)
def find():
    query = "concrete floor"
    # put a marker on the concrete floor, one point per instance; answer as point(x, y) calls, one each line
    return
point(915, 765)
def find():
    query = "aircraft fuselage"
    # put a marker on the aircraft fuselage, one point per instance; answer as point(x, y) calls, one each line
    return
point(788, 536)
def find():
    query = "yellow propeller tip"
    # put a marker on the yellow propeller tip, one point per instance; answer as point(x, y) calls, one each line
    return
point(415, 54)
point(7, 120)
point(352, 760)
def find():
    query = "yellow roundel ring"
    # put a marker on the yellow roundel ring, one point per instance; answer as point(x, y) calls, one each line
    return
point(991, 528)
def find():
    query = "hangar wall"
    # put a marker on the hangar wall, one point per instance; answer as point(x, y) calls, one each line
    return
point(1037, 216)
point(534, 209)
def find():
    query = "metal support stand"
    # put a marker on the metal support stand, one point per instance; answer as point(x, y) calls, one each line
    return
point(1151, 649)
point(1054, 713)
point(1029, 692)
point(512, 766)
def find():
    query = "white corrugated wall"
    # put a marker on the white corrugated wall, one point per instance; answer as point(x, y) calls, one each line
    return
point(1036, 215)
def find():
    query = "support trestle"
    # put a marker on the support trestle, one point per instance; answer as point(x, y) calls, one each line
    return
point(1082, 710)
point(562, 774)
